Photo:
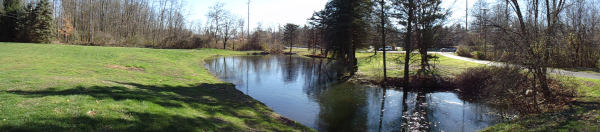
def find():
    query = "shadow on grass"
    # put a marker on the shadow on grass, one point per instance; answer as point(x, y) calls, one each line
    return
point(216, 100)
point(144, 122)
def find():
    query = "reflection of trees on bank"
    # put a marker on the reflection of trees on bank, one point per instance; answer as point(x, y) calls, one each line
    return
point(417, 117)
point(317, 74)
point(290, 68)
point(342, 109)
point(237, 68)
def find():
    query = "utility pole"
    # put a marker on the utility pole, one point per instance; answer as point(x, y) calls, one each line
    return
point(248, 18)
point(467, 15)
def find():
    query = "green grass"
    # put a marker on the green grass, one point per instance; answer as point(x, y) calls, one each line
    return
point(300, 51)
point(81, 88)
point(370, 66)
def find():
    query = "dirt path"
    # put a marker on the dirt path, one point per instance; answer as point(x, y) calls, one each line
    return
point(555, 71)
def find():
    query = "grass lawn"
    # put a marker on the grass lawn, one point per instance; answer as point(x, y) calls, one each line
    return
point(82, 88)
point(300, 51)
point(370, 66)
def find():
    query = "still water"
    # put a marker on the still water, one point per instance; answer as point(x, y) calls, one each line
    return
point(305, 90)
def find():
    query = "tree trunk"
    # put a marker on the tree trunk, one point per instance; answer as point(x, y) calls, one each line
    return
point(407, 45)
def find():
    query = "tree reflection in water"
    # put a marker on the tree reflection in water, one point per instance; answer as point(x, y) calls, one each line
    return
point(306, 90)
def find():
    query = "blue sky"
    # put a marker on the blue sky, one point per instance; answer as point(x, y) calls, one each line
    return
point(270, 12)
point(273, 12)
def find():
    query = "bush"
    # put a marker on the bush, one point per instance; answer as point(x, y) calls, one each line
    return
point(104, 39)
point(463, 51)
point(479, 55)
point(511, 88)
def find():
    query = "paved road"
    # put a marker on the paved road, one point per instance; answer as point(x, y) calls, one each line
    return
point(555, 71)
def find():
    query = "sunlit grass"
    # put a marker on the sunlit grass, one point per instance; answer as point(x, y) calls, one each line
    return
point(83, 88)
point(371, 66)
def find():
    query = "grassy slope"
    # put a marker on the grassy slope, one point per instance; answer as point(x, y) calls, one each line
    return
point(81, 88)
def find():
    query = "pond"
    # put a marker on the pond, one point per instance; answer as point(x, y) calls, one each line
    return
point(306, 90)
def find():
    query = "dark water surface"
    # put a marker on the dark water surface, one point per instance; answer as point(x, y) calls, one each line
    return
point(305, 90)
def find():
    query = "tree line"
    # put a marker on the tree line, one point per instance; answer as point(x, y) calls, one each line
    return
point(535, 35)
point(561, 33)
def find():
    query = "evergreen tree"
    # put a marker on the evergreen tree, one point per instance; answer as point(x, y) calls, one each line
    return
point(290, 34)
point(346, 31)
point(11, 20)
point(429, 16)
point(406, 9)
point(43, 23)
point(27, 31)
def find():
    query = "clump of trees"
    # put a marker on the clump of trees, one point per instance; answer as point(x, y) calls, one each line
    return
point(345, 31)
point(556, 33)
point(130, 23)
point(26, 22)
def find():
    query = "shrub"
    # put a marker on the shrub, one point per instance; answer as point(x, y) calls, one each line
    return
point(463, 51)
point(104, 39)
point(473, 79)
point(511, 88)
point(479, 55)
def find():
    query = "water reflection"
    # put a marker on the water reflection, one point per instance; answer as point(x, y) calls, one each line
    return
point(306, 91)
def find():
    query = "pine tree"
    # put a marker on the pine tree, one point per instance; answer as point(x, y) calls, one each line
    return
point(290, 34)
point(428, 15)
point(43, 23)
point(346, 22)
point(11, 24)
point(27, 19)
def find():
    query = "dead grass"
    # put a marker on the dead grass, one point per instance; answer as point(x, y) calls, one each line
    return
point(130, 68)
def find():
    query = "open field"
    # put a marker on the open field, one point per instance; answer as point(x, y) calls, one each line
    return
point(82, 88)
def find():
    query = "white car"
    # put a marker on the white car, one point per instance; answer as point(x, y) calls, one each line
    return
point(387, 48)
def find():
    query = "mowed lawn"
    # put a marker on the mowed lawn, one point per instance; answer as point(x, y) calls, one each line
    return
point(370, 66)
point(45, 87)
